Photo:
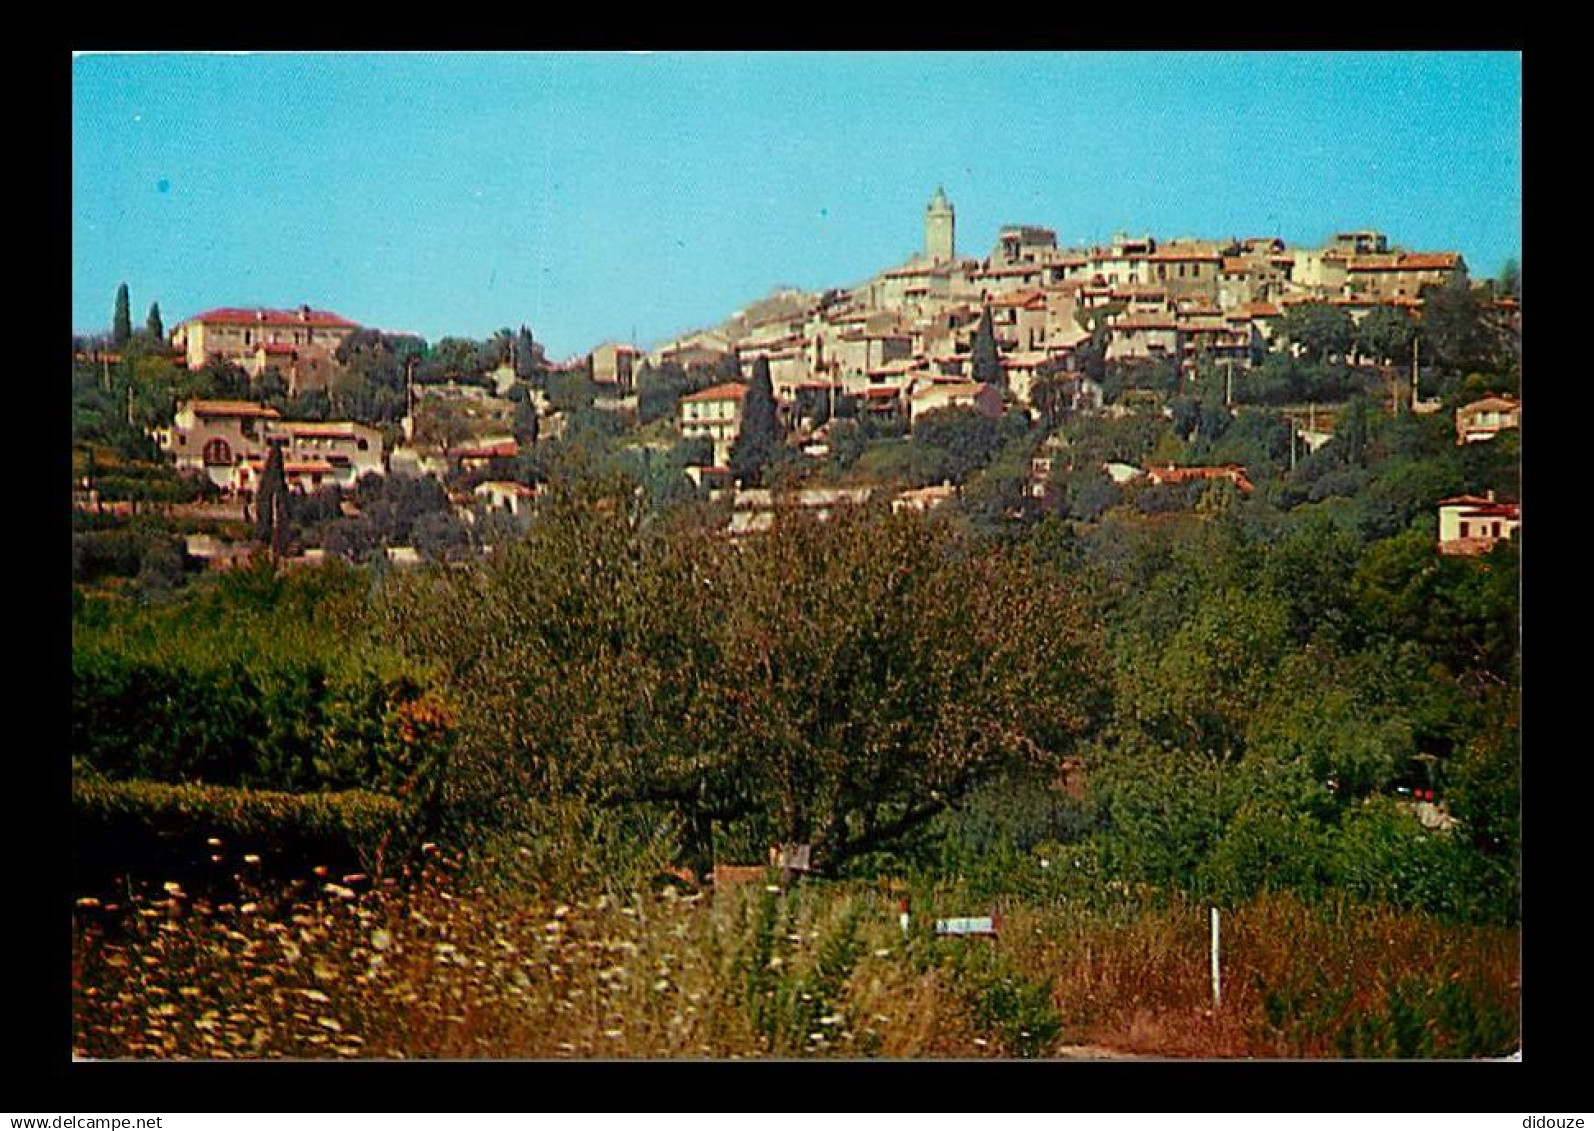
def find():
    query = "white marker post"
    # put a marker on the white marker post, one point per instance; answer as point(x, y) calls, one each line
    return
point(1217, 983)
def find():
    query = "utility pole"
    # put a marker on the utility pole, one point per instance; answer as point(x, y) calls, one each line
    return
point(1416, 348)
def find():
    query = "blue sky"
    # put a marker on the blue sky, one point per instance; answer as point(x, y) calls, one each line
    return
point(597, 196)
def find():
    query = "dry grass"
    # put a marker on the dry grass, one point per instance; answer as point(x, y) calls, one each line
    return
point(1298, 981)
point(440, 970)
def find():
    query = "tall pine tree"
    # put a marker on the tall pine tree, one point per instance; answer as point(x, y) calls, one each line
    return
point(758, 441)
point(121, 319)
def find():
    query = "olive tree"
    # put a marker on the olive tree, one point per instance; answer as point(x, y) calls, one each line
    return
point(831, 683)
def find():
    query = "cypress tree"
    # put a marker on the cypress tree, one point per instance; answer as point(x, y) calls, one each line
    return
point(122, 319)
point(153, 323)
point(986, 362)
point(271, 504)
point(758, 440)
point(528, 355)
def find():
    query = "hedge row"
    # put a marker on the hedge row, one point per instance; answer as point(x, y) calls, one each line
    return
point(265, 723)
point(165, 831)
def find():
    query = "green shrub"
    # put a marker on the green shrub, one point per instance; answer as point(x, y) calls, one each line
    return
point(253, 679)
point(1014, 1008)
point(156, 829)
point(291, 724)
point(1382, 854)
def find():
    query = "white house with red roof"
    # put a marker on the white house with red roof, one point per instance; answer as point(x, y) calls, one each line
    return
point(300, 343)
point(1469, 524)
point(351, 449)
point(214, 437)
point(223, 438)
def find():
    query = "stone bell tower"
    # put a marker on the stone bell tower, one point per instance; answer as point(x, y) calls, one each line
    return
point(939, 229)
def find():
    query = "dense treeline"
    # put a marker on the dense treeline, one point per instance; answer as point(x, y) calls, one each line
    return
point(1243, 692)
point(1245, 686)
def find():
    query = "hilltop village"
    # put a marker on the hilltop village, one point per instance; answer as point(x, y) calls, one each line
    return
point(906, 387)
point(917, 668)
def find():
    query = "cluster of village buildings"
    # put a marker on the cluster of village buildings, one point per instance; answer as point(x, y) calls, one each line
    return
point(899, 344)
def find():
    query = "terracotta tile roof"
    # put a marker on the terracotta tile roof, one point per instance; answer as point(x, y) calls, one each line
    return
point(1492, 404)
point(1484, 507)
point(730, 391)
point(254, 316)
point(1254, 310)
point(1144, 322)
point(1407, 261)
point(1171, 474)
point(232, 408)
point(488, 451)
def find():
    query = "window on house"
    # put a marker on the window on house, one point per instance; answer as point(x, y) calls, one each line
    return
point(1466, 529)
point(217, 452)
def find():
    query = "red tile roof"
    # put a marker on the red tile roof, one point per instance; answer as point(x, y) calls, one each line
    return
point(1144, 322)
point(1484, 507)
point(730, 391)
point(232, 408)
point(231, 315)
point(1171, 474)
point(1407, 261)
point(488, 451)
